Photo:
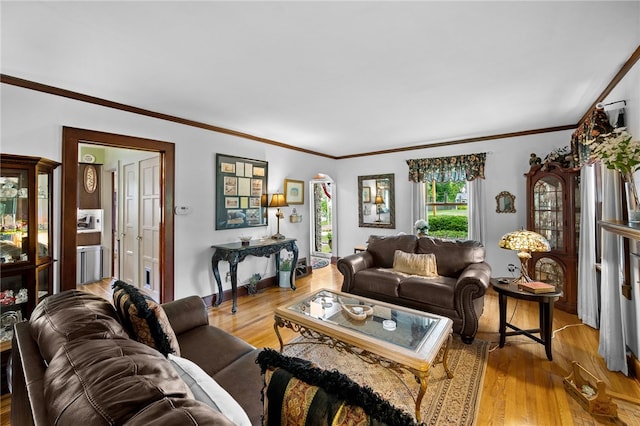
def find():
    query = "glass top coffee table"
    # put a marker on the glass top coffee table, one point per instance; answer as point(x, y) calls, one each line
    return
point(392, 336)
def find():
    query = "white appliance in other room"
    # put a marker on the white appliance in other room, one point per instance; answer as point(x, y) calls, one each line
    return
point(89, 266)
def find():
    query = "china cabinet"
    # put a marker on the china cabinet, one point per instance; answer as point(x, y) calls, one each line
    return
point(26, 259)
point(553, 211)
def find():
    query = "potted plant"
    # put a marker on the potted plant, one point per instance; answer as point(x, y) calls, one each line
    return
point(252, 286)
point(284, 278)
point(422, 227)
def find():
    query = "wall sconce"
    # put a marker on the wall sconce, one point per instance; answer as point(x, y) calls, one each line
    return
point(524, 242)
point(278, 200)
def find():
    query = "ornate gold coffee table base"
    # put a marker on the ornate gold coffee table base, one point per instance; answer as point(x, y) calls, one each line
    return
point(421, 375)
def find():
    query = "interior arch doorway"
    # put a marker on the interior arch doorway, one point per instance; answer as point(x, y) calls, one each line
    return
point(323, 217)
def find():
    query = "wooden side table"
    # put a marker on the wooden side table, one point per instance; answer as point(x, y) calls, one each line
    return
point(545, 303)
point(357, 249)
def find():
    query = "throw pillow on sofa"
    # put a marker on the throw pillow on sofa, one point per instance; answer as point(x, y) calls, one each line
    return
point(415, 264)
point(145, 319)
point(208, 391)
point(300, 393)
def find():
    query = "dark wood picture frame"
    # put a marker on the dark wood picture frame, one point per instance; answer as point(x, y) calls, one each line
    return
point(241, 185)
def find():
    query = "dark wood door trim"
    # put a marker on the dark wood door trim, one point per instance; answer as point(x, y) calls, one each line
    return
point(71, 138)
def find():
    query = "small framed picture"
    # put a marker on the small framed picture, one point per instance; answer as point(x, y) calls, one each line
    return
point(366, 194)
point(294, 191)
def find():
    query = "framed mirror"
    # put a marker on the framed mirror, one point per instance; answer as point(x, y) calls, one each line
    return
point(376, 201)
point(506, 202)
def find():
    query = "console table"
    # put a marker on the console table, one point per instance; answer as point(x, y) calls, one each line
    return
point(235, 253)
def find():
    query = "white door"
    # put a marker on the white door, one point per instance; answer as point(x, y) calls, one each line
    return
point(150, 226)
point(130, 237)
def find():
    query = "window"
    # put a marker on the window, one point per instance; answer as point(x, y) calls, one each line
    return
point(447, 210)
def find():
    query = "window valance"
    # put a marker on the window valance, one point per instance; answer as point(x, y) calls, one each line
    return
point(447, 169)
point(595, 124)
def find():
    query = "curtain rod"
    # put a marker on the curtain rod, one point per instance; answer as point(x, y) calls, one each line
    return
point(601, 105)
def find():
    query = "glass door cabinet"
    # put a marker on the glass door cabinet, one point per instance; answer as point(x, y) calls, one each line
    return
point(553, 206)
point(26, 261)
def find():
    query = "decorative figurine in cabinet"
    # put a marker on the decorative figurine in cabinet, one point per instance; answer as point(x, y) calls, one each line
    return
point(553, 211)
point(26, 258)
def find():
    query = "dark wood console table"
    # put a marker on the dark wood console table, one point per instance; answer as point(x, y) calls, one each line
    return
point(235, 253)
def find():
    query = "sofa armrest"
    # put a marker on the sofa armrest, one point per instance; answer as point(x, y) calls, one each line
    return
point(186, 314)
point(474, 279)
point(351, 264)
point(27, 379)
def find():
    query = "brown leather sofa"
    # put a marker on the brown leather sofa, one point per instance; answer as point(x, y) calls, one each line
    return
point(74, 363)
point(457, 292)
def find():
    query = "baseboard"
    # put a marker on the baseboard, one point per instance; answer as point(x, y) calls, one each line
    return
point(633, 364)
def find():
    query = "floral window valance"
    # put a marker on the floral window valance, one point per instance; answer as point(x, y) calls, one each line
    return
point(594, 125)
point(447, 169)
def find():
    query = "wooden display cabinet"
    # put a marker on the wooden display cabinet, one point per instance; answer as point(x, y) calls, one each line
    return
point(553, 211)
point(26, 259)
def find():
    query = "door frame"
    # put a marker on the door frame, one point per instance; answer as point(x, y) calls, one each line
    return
point(323, 178)
point(71, 138)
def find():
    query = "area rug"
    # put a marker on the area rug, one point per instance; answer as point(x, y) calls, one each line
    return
point(447, 401)
point(318, 262)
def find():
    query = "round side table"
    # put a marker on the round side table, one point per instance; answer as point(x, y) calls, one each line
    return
point(545, 304)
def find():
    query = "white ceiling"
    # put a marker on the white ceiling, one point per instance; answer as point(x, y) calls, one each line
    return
point(335, 77)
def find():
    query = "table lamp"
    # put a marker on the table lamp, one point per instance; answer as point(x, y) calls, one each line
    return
point(379, 201)
point(278, 200)
point(524, 242)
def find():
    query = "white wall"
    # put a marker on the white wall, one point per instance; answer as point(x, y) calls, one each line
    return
point(32, 125)
point(507, 162)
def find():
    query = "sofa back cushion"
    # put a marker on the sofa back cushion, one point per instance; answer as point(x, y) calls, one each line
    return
point(72, 315)
point(109, 381)
point(383, 248)
point(452, 256)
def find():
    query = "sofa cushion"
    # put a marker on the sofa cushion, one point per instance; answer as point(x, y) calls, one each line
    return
point(453, 256)
point(106, 381)
point(377, 280)
point(298, 393)
point(145, 319)
point(72, 315)
point(178, 412)
point(415, 264)
point(436, 291)
point(382, 248)
point(206, 390)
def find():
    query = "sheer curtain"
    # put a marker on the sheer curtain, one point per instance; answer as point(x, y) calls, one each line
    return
point(588, 293)
point(418, 202)
point(612, 345)
point(476, 210)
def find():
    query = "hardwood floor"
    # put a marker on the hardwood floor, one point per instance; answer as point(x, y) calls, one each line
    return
point(521, 387)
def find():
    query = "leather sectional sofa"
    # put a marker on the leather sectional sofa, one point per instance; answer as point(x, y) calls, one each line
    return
point(75, 363)
point(456, 291)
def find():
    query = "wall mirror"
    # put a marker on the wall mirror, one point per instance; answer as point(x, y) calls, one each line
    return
point(506, 202)
point(376, 201)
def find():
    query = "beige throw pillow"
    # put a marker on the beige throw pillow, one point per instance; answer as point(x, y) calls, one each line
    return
point(415, 264)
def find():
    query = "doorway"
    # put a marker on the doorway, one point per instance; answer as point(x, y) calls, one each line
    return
point(322, 217)
point(72, 137)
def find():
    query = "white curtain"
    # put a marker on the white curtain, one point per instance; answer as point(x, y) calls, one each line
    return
point(476, 204)
point(588, 293)
point(612, 345)
point(418, 202)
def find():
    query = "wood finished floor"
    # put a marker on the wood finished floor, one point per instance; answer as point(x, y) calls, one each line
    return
point(521, 387)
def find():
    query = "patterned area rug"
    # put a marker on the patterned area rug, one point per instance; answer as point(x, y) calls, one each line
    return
point(318, 262)
point(447, 401)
